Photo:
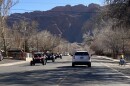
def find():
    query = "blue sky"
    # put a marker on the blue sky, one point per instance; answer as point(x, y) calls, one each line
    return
point(43, 5)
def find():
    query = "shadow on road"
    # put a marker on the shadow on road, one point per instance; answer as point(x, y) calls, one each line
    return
point(64, 75)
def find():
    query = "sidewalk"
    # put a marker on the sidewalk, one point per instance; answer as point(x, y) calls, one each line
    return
point(109, 58)
point(115, 60)
point(9, 62)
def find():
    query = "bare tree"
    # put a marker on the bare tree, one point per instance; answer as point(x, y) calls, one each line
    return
point(119, 9)
point(18, 31)
point(110, 40)
point(87, 38)
point(5, 6)
point(21, 32)
point(44, 41)
point(97, 44)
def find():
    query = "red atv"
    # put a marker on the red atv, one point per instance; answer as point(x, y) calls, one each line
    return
point(38, 57)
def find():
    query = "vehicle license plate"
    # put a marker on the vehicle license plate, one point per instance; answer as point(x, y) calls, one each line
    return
point(81, 57)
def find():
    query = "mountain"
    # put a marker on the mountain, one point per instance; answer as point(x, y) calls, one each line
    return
point(66, 21)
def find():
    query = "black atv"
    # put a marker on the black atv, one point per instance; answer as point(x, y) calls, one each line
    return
point(58, 56)
point(50, 56)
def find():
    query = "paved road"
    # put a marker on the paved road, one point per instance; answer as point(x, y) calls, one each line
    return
point(61, 73)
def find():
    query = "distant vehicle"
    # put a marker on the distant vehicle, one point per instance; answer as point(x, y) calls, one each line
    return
point(38, 57)
point(50, 56)
point(58, 55)
point(81, 58)
point(66, 54)
point(1, 56)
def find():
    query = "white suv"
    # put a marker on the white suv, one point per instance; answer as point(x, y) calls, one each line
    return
point(81, 58)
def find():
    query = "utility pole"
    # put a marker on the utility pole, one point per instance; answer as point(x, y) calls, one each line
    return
point(25, 39)
point(123, 46)
point(37, 41)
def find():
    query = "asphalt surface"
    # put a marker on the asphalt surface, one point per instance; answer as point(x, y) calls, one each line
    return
point(104, 72)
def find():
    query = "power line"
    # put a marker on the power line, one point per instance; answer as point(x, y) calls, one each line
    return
point(23, 10)
point(61, 11)
point(48, 3)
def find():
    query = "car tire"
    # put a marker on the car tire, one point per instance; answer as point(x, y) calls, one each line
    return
point(44, 62)
point(89, 65)
point(53, 60)
point(32, 63)
point(73, 64)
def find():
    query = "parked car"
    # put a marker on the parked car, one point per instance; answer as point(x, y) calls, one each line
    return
point(50, 56)
point(38, 57)
point(81, 58)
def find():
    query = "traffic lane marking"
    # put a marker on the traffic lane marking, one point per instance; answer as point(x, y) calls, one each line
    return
point(116, 71)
